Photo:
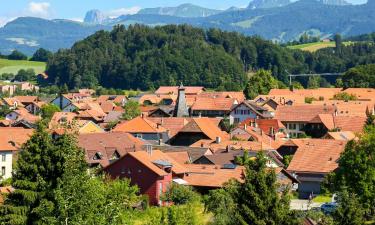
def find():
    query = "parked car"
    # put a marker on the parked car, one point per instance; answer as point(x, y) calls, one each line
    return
point(328, 208)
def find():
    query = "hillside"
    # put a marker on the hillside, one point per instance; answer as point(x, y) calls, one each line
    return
point(140, 57)
point(13, 66)
point(27, 34)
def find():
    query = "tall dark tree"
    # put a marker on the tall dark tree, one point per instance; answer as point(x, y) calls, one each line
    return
point(41, 55)
point(16, 55)
point(260, 84)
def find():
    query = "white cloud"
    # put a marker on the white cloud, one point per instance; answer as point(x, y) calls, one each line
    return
point(122, 11)
point(40, 9)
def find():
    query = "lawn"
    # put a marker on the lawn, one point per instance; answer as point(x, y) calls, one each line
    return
point(13, 66)
point(315, 46)
point(322, 198)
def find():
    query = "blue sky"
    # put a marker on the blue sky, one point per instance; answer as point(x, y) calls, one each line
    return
point(76, 9)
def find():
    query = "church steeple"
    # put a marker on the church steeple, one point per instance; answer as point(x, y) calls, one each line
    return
point(181, 109)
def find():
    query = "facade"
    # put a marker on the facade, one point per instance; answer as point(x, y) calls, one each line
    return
point(247, 110)
point(152, 171)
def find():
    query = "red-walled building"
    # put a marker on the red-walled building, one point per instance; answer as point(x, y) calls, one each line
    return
point(152, 171)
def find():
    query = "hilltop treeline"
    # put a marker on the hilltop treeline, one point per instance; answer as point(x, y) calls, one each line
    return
point(145, 58)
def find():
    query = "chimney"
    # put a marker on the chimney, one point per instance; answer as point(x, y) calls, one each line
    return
point(149, 149)
point(245, 126)
point(202, 145)
point(218, 140)
point(160, 142)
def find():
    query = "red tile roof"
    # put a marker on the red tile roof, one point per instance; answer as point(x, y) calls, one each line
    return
point(172, 124)
point(174, 89)
point(13, 138)
point(139, 125)
point(301, 113)
point(206, 126)
point(214, 104)
point(316, 155)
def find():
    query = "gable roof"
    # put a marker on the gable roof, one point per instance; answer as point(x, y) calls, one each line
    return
point(25, 115)
point(206, 126)
point(26, 99)
point(211, 175)
point(341, 135)
point(301, 113)
point(214, 104)
point(139, 125)
point(238, 95)
point(189, 90)
point(13, 138)
point(107, 144)
point(316, 155)
point(172, 124)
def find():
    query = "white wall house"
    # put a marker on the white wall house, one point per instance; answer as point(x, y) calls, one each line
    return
point(12, 116)
point(294, 129)
point(246, 110)
point(6, 159)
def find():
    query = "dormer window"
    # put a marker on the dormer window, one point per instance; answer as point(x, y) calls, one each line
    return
point(98, 156)
point(115, 156)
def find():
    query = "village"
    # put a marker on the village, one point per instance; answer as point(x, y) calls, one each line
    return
point(191, 136)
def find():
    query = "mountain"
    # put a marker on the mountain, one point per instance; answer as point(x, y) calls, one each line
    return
point(184, 10)
point(94, 17)
point(281, 24)
point(27, 34)
point(258, 4)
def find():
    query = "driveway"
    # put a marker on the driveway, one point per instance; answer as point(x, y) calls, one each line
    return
point(301, 204)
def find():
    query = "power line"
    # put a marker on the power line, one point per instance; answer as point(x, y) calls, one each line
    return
point(310, 75)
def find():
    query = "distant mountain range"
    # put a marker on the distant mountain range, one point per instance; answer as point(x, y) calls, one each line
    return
point(278, 20)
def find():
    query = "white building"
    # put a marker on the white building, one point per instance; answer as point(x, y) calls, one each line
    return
point(11, 140)
point(246, 110)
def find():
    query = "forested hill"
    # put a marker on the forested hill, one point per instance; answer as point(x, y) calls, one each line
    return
point(145, 58)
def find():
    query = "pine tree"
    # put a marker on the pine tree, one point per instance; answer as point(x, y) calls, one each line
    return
point(258, 200)
point(38, 167)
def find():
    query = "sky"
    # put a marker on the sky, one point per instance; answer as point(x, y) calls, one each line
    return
point(76, 9)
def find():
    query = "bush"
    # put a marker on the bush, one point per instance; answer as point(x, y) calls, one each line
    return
point(180, 194)
point(16, 55)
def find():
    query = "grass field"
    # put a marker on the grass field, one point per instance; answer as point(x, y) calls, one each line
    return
point(315, 46)
point(322, 198)
point(13, 66)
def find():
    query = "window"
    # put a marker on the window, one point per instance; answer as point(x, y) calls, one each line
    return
point(3, 171)
point(236, 120)
point(3, 157)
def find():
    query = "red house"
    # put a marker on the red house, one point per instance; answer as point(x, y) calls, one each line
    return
point(152, 171)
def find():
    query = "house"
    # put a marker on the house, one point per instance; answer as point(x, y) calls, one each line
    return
point(10, 143)
point(157, 99)
point(12, 103)
point(313, 160)
point(35, 107)
point(22, 114)
point(364, 94)
point(239, 96)
point(7, 88)
point(119, 100)
point(167, 90)
point(254, 134)
point(26, 86)
point(246, 110)
point(198, 129)
point(143, 128)
point(318, 93)
point(103, 148)
point(271, 102)
point(162, 111)
point(340, 135)
point(172, 124)
point(184, 154)
point(152, 171)
point(350, 108)
point(62, 120)
point(212, 107)
point(65, 100)
point(329, 122)
point(296, 117)
point(271, 127)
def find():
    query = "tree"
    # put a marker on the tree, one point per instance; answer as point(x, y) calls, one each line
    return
point(16, 55)
point(356, 171)
point(345, 96)
point(132, 110)
point(256, 200)
point(349, 211)
point(180, 194)
point(25, 75)
point(338, 42)
point(313, 83)
point(260, 83)
point(41, 55)
point(35, 175)
point(48, 110)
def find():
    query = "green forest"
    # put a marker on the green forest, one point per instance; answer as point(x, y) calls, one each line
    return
point(141, 57)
